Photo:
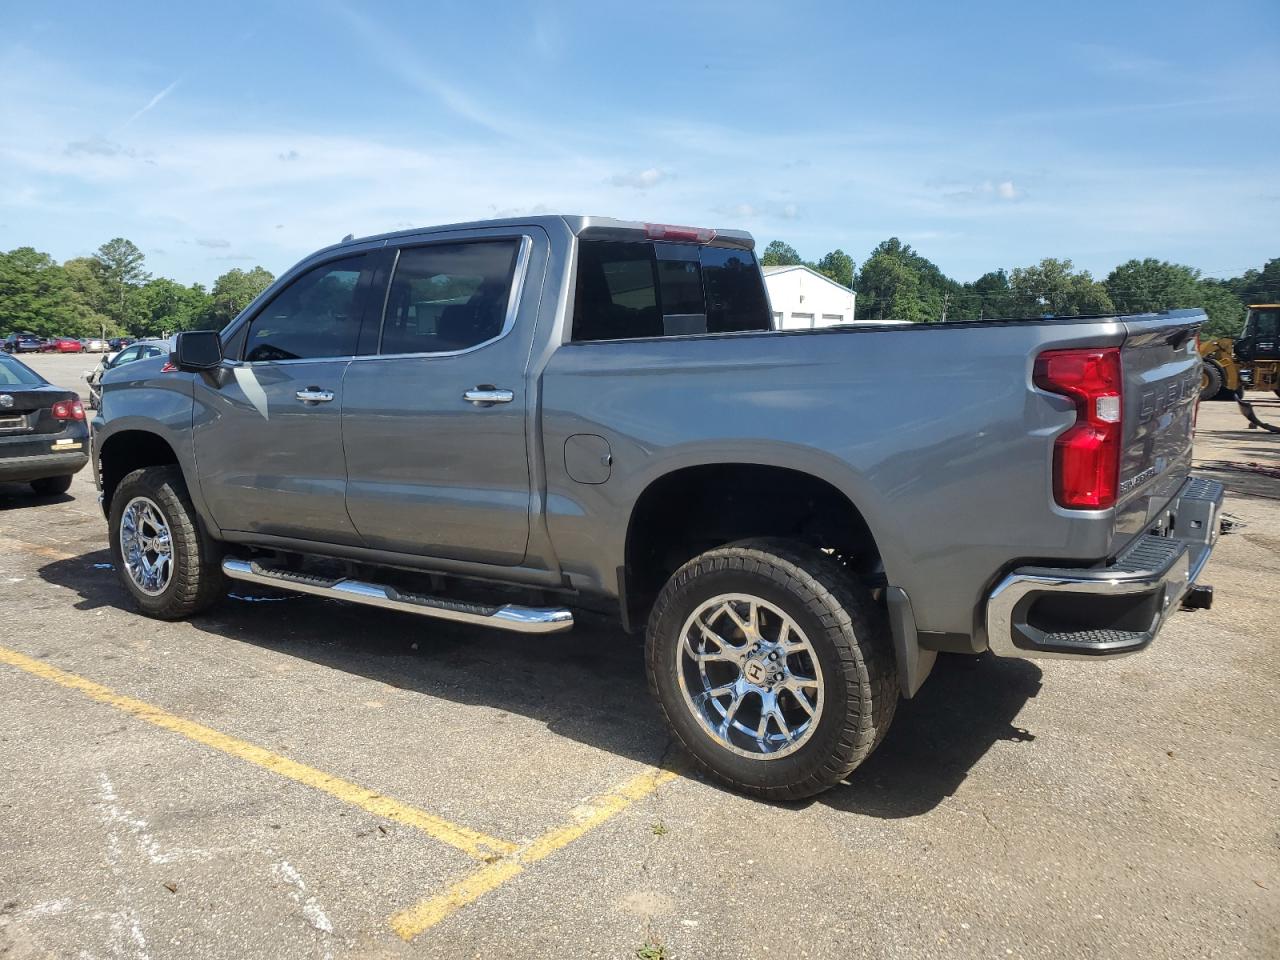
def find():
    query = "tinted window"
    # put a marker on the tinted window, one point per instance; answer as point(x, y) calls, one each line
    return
point(628, 290)
point(447, 297)
point(13, 373)
point(1266, 323)
point(317, 315)
point(734, 291)
point(127, 355)
point(617, 291)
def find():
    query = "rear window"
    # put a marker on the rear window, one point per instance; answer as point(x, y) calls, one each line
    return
point(652, 289)
point(15, 374)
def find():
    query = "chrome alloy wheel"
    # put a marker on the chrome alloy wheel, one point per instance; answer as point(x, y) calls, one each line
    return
point(749, 676)
point(146, 546)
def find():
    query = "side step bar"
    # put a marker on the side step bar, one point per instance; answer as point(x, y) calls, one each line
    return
point(506, 617)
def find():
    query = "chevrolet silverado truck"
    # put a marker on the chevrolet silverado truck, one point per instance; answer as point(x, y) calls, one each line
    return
point(503, 422)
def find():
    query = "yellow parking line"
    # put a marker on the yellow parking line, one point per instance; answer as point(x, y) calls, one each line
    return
point(427, 913)
point(472, 842)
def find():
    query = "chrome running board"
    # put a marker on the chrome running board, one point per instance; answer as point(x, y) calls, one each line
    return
point(505, 617)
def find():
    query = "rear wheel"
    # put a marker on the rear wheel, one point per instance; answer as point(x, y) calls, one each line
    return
point(48, 486)
point(772, 666)
point(1211, 380)
point(166, 562)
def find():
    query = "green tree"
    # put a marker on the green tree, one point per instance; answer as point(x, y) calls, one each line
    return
point(1257, 286)
point(779, 254)
point(232, 292)
point(84, 275)
point(988, 296)
point(1138, 286)
point(889, 288)
point(35, 296)
point(839, 266)
point(1053, 287)
point(163, 306)
point(1225, 311)
point(121, 272)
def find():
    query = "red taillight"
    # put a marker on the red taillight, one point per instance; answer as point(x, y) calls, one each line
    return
point(169, 367)
point(665, 231)
point(68, 410)
point(1086, 458)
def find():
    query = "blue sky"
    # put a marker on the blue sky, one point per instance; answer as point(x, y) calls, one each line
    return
point(983, 134)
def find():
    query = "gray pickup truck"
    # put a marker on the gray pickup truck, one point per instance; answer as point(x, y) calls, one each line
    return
point(500, 422)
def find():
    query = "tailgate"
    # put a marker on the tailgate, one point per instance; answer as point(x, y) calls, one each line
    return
point(1161, 386)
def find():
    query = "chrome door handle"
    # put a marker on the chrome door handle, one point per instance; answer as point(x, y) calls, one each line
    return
point(314, 395)
point(486, 396)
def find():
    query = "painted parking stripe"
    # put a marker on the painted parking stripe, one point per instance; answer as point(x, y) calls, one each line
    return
point(469, 841)
point(425, 914)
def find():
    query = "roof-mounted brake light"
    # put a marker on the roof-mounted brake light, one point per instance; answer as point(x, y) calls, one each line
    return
point(666, 231)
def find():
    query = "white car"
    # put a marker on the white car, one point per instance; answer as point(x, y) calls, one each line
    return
point(142, 350)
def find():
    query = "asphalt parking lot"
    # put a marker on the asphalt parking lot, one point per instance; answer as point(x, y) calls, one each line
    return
point(288, 776)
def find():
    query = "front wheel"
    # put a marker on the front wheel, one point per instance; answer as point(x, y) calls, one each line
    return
point(165, 561)
point(1212, 380)
point(773, 667)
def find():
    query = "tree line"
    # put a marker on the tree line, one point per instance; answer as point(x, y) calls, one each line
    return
point(897, 283)
point(112, 294)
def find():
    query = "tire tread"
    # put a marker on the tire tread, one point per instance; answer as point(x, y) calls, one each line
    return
point(852, 618)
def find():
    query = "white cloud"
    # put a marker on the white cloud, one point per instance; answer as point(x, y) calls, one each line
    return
point(991, 190)
point(639, 179)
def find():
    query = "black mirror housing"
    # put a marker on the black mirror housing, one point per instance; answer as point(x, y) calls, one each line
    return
point(196, 350)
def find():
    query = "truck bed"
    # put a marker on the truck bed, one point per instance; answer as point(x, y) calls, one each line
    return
point(935, 432)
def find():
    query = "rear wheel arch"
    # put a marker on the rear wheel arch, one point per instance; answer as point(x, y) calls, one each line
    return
point(692, 509)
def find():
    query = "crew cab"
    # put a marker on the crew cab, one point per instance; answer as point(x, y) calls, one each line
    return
point(598, 414)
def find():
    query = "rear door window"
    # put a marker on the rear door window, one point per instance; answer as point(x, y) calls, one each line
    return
point(448, 297)
point(628, 290)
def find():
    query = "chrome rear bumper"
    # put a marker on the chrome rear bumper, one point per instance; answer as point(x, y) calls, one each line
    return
point(1111, 610)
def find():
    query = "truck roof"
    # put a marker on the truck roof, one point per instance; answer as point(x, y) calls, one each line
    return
point(602, 228)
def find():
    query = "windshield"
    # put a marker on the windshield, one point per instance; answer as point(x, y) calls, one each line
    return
point(15, 374)
point(1265, 323)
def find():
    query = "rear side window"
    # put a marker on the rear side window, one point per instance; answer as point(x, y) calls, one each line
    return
point(316, 315)
point(628, 290)
point(448, 297)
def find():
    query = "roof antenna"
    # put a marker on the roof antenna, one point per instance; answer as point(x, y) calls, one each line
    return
point(349, 236)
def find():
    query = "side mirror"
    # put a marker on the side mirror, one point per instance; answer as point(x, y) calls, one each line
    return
point(197, 350)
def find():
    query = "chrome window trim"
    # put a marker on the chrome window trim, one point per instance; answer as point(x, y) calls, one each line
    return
point(518, 275)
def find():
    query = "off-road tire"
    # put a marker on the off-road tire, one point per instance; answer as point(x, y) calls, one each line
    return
point(851, 641)
point(1212, 380)
point(50, 486)
point(197, 580)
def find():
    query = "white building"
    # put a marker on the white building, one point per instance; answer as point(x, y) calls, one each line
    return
point(802, 298)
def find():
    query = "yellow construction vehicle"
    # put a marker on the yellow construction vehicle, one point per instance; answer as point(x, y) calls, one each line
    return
point(1248, 362)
